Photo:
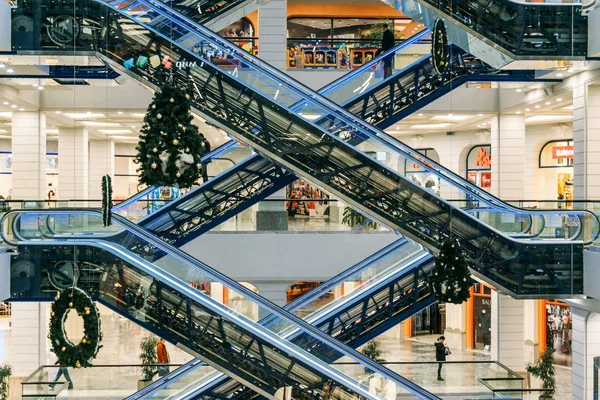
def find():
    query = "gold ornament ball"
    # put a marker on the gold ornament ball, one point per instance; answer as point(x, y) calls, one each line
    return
point(187, 149)
point(158, 116)
point(87, 312)
point(155, 150)
point(53, 314)
point(71, 304)
point(48, 336)
point(187, 96)
point(178, 175)
point(153, 165)
point(83, 341)
point(63, 349)
point(199, 166)
point(154, 106)
point(77, 364)
point(175, 142)
point(172, 100)
point(438, 52)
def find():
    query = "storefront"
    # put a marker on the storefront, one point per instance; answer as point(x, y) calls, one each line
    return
point(479, 166)
point(306, 201)
point(479, 317)
point(555, 330)
point(556, 171)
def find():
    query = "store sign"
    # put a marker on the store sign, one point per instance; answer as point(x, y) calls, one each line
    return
point(483, 158)
point(562, 152)
point(486, 179)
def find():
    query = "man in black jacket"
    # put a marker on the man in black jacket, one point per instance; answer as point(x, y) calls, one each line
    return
point(387, 43)
point(440, 355)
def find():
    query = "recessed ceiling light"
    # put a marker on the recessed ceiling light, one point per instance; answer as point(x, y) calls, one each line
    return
point(480, 115)
point(519, 90)
point(40, 87)
point(547, 103)
point(528, 109)
point(451, 117)
point(10, 70)
point(57, 112)
point(559, 74)
point(518, 112)
point(537, 106)
point(420, 115)
point(88, 112)
point(113, 131)
point(450, 114)
point(431, 126)
point(5, 103)
point(2, 65)
point(99, 123)
point(120, 112)
point(559, 99)
point(14, 106)
point(21, 109)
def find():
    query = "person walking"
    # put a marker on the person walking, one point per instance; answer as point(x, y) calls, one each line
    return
point(62, 371)
point(388, 42)
point(163, 357)
point(440, 355)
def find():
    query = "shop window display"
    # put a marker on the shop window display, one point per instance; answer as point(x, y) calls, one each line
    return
point(559, 331)
point(479, 166)
point(241, 33)
point(336, 43)
point(306, 201)
point(300, 288)
point(430, 321)
point(556, 163)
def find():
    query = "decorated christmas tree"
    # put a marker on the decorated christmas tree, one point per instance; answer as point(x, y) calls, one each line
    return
point(170, 146)
point(450, 280)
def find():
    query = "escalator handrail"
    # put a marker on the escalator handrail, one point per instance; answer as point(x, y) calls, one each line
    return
point(343, 115)
point(219, 277)
point(184, 369)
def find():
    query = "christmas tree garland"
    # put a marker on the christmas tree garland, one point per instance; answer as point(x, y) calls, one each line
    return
point(69, 354)
point(439, 47)
point(107, 200)
point(450, 280)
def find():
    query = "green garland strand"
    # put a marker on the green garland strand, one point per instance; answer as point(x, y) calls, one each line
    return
point(440, 52)
point(69, 354)
point(450, 280)
point(107, 200)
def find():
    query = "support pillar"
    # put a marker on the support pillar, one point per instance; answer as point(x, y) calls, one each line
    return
point(455, 333)
point(508, 156)
point(73, 163)
point(507, 331)
point(272, 33)
point(102, 162)
point(28, 341)
point(586, 139)
point(29, 156)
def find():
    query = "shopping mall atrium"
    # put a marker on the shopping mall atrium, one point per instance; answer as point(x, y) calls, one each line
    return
point(300, 199)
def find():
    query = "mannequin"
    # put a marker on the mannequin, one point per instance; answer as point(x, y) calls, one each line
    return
point(485, 326)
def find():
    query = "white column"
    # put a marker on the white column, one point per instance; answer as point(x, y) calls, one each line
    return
point(530, 331)
point(455, 332)
point(507, 331)
point(29, 155)
point(28, 341)
point(102, 162)
point(586, 137)
point(73, 163)
point(508, 156)
point(272, 32)
point(585, 346)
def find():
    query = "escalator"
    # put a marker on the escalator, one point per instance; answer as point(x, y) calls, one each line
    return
point(503, 31)
point(253, 104)
point(372, 297)
point(330, 147)
point(171, 296)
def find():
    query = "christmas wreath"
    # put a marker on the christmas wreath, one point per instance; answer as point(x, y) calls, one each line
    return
point(69, 354)
point(450, 280)
point(439, 47)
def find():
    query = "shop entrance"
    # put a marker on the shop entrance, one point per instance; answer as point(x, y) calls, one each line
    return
point(481, 306)
point(556, 326)
point(556, 172)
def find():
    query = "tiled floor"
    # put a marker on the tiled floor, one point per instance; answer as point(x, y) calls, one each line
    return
point(121, 344)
